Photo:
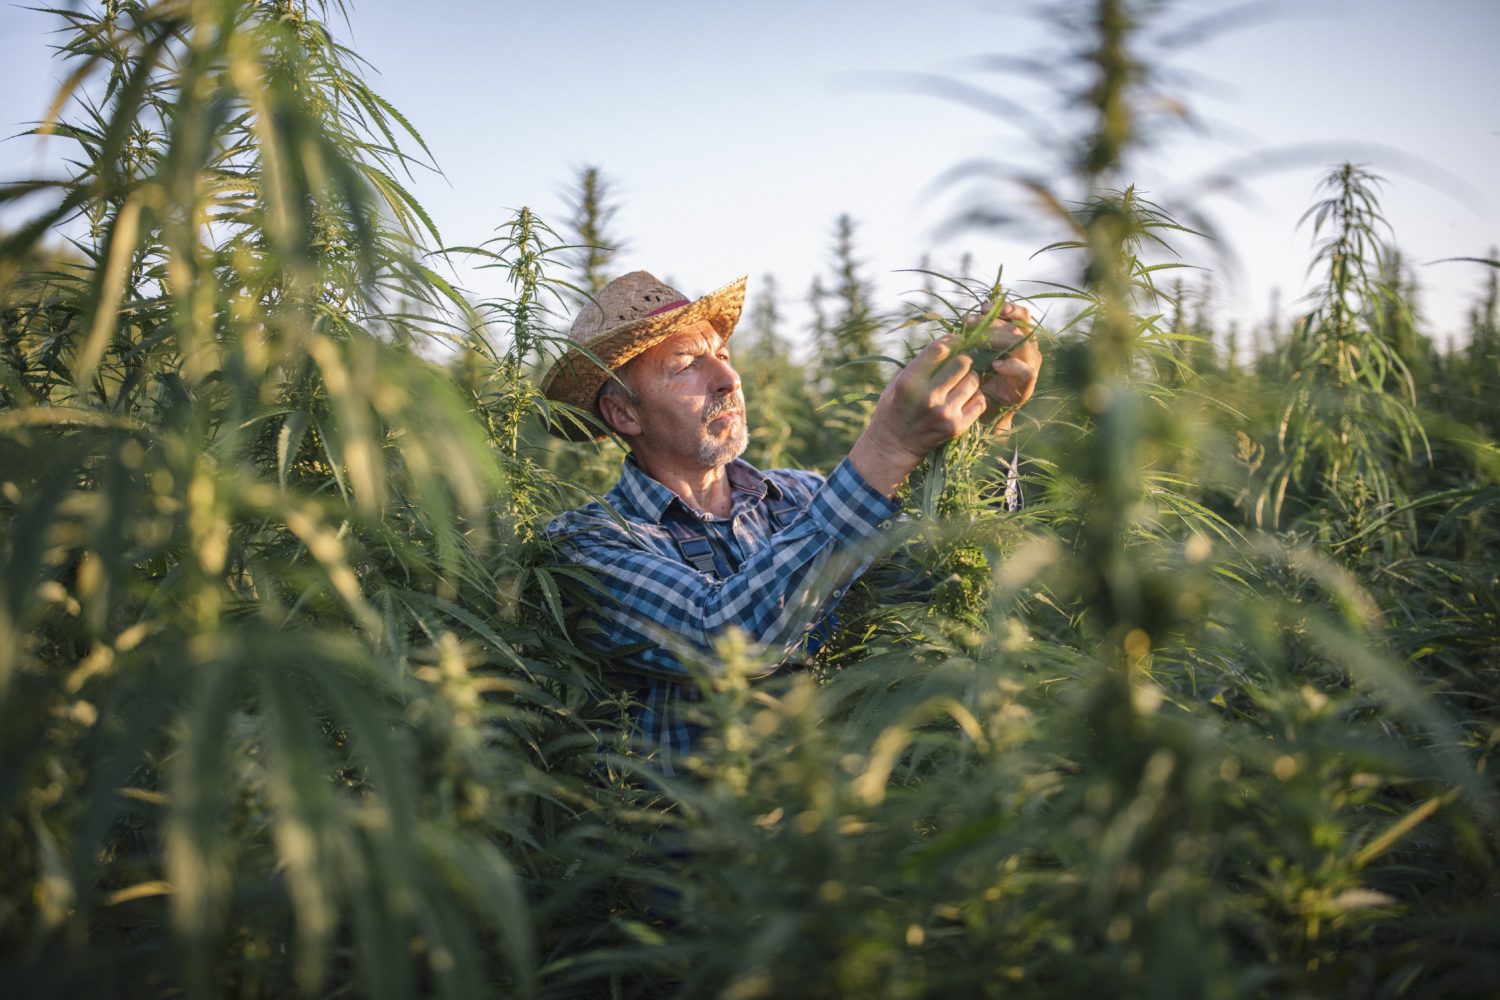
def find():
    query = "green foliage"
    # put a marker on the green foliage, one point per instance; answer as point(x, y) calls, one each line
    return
point(1348, 417)
point(246, 751)
point(845, 340)
point(778, 399)
point(591, 213)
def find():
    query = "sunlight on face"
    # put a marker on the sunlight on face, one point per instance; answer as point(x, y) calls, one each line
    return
point(691, 405)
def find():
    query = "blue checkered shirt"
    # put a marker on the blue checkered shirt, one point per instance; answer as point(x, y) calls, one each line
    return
point(655, 609)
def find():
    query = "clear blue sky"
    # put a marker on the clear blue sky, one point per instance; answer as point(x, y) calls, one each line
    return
point(736, 132)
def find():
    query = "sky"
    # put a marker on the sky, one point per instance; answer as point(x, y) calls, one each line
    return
point(735, 133)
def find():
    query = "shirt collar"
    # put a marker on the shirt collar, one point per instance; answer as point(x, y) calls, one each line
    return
point(650, 500)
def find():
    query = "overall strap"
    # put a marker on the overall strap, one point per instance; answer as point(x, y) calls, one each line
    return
point(691, 535)
point(692, 541)
point(782, 511)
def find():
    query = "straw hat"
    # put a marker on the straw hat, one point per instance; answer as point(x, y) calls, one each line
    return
point(629, 316)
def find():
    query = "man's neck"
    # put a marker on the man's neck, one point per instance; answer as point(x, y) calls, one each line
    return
point(703, 489)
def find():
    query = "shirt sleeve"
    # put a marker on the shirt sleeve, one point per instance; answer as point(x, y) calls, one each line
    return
point(661, 603)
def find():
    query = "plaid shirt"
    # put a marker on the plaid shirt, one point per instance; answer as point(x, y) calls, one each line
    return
point(776, 585)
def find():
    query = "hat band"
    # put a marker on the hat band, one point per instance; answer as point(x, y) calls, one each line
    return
point(667, 308)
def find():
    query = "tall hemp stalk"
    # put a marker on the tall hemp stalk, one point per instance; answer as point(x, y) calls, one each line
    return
point(241, 520)
point(1348, 422)
point(591, 214)
point(1137, 766)
point(1157, 621)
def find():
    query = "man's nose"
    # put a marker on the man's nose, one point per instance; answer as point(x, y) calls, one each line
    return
point(724, 379)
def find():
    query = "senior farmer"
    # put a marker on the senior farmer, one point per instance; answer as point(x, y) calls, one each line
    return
point(707, 540)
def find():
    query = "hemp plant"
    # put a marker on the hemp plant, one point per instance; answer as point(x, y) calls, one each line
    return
point(1348, 419)
point(240, 514)
point(965, 487)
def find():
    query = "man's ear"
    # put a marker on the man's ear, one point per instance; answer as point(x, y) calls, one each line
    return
point(619, 414)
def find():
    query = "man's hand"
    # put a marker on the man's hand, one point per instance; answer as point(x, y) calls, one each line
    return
point(933, 399)
point(1011, 379)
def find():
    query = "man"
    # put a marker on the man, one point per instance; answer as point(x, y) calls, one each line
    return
point(707, 541)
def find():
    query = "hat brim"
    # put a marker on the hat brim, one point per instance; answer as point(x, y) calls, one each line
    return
point(581, 371)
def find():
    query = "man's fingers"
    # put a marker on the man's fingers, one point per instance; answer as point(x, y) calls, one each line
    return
point(953, 371)
point(945, 393)
point(973, 408)
point(966, 387)
point(930, 357)
point(1015, 368)
point(1014, 332)
point(1012, 313)
point(1006, 335)
point(1013, 382)
point(1016, 313)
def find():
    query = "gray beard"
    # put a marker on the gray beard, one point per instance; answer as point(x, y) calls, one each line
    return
point(714, 454)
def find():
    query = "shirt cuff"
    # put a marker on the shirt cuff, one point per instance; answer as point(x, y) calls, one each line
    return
point(852, 508)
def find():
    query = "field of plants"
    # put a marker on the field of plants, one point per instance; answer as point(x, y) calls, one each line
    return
point(290, 704)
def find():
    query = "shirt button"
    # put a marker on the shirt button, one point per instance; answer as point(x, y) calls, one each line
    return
point(838, 593)
point(886, 523)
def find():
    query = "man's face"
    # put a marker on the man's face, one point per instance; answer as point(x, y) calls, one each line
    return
point(688, 404)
